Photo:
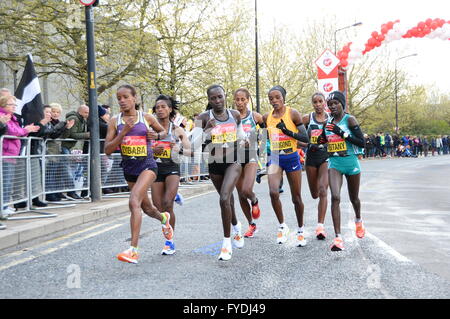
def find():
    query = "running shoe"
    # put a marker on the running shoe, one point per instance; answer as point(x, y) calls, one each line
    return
point(169, 248)
point(129, 255)
point(282, 234)
point(301, 241)
point(337, 245)
point(225, 254)
point(256, 212)
point(238, 240)
point(320, 233)
point(179, 199)
point(360, 230)
point(167, 228)
point(251, 231)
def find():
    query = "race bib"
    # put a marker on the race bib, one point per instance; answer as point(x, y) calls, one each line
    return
point(134, 146)
point(280, 141)
point(336, 144)
point(224, 133)
point(315, 135)
point(166, 152)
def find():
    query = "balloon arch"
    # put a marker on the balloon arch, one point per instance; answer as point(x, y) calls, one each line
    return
point(391, 31)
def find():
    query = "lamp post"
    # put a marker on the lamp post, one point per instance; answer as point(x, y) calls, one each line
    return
point(396, 90)
point(342, 73)
point(256, 58)
point(349, 26)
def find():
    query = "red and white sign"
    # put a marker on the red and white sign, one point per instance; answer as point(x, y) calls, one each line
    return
point(327, 62)
point(87, 2)
point(327, 72)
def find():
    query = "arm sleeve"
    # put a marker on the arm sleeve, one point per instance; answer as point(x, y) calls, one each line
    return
point(358, 136)
point(301, 136)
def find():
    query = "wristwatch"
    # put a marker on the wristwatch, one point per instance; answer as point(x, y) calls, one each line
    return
point(345, 135)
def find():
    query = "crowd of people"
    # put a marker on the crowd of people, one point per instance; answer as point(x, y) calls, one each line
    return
point(385, 144)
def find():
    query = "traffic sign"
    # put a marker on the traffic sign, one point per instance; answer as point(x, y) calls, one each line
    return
point(87, 2)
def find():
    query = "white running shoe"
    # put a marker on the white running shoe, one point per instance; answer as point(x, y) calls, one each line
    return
point(238, 239)
point(169, 248)
point(301, 241)
point(225, 254)
point(282, 234)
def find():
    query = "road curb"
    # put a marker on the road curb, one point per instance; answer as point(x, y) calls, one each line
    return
point(81, 214)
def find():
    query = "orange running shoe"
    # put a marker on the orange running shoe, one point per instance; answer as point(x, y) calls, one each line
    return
point(256, 212)
point(338, 244)
point(167, 228)
point(129, 255)
point(360, 230)
point(251, 231)
point(320, 233)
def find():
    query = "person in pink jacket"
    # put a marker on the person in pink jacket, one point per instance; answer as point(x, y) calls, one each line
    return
point(11, 147)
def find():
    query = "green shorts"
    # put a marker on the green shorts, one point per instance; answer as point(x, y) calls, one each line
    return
point(347, 165)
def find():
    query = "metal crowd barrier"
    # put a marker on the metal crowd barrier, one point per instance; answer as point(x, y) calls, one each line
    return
point(65, 172)
point(21, 179)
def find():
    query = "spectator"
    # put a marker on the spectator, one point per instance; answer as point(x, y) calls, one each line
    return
point(388, 144)
point(79, 132)
point(445, 144)
point(416, 143)
point(11, 147)
point(57, 173)
point(367, 146)
point(433, 146)
point(439, 144)
point(425, 146)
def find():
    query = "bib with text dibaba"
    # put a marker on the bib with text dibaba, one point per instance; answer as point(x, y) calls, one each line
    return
point(134, 146)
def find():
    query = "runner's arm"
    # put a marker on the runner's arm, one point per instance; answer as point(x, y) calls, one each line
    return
point(358, 136)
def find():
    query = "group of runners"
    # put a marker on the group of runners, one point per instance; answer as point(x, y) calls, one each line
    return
point(151, 146)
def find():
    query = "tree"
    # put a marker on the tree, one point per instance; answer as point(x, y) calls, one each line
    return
point(53, 31)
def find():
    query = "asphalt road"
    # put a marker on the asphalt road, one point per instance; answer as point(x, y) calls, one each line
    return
point(405, 205)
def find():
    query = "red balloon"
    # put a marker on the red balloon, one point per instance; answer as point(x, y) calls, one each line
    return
point(426, 30)
point(384, 30)
point(381, 37)
point(414, 32)
point(421, 25)
point(344, 55)
point(368, 48)
point(433, 25)
point(344, 63)
point(372, 42)
point(374, 34)
point(346, 49)
point(428, 21)
point(390, 24)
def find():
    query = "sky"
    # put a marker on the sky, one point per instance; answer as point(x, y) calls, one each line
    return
point(431, 66)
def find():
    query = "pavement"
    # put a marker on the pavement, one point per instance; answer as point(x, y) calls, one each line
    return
point(70, 215)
